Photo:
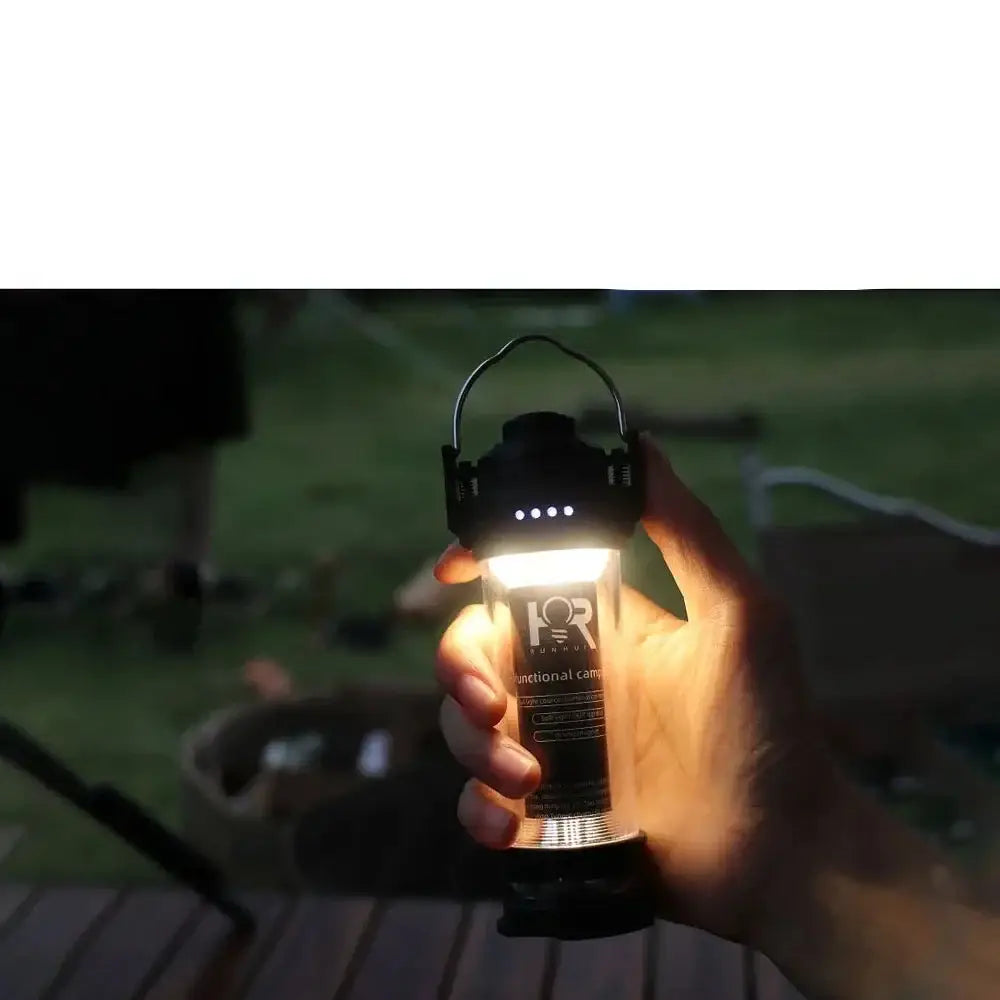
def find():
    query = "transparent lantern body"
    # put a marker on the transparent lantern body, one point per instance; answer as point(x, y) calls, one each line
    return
point(547, 512)
point(557, 649)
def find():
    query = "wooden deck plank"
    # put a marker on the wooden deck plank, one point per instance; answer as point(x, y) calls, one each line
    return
point(612, 968)
point(492, 967)
point(215, 962)
point(124, 951)
point(409, 953)
point(694, 965)
point(32, 955)
point(12, 898)
point(317, 943)
point(771, 983)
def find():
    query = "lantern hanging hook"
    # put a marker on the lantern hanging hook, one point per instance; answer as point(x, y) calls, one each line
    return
point(456, 432)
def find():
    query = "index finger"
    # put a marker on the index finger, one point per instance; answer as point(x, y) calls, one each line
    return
point(464, 669)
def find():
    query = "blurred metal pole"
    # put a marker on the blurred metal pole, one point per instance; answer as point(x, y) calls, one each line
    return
point(388, 335)
point(127, 820)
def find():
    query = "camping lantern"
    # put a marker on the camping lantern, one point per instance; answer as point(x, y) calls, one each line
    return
point(547, 515)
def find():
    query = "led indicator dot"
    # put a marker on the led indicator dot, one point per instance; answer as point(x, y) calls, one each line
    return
point(535, 512)
point(552, 512)
point(519, 514)
point(568, 511)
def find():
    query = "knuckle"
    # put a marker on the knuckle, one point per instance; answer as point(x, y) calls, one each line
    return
point(444, 714)
point(466, 804)
point(444, 667)
point(469, 745)
point(450, 721)
point(472, 801)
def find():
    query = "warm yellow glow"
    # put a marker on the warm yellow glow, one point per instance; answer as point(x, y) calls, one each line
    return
point(540, 569)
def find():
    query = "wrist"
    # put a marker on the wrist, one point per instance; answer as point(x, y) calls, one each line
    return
point(854, 909)
point(808, 847)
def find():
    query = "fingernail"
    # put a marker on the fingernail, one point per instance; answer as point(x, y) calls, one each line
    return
point(516, 761)
point(496, 823)
point(474, 692)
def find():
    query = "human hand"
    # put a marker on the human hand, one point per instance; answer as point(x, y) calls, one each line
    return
point(732, 774)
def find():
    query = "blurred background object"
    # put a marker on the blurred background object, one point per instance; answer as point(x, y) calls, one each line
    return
point(230, 503)
point(102, 389)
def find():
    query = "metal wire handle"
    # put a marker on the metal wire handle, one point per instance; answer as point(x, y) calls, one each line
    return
point(456, 427)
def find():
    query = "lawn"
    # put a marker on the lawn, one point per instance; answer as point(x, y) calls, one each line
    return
point(898, 392)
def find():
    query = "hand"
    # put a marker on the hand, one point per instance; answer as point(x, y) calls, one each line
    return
point(732, 774)
point(752, 830)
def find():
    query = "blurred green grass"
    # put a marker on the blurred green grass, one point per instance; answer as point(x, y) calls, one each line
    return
point(899, 392)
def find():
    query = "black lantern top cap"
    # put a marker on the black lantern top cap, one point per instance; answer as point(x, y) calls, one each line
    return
point(542, 487)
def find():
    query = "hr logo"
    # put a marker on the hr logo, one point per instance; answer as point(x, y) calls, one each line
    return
point(557, 617)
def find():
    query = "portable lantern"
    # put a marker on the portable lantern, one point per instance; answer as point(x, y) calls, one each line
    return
point(547, 515)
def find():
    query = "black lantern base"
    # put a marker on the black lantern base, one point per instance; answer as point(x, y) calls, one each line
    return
point(577, 893)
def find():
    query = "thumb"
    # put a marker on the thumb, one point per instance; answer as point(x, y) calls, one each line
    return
point(704, 561)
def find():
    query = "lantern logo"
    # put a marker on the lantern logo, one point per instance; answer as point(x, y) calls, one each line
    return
point(557, 617)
